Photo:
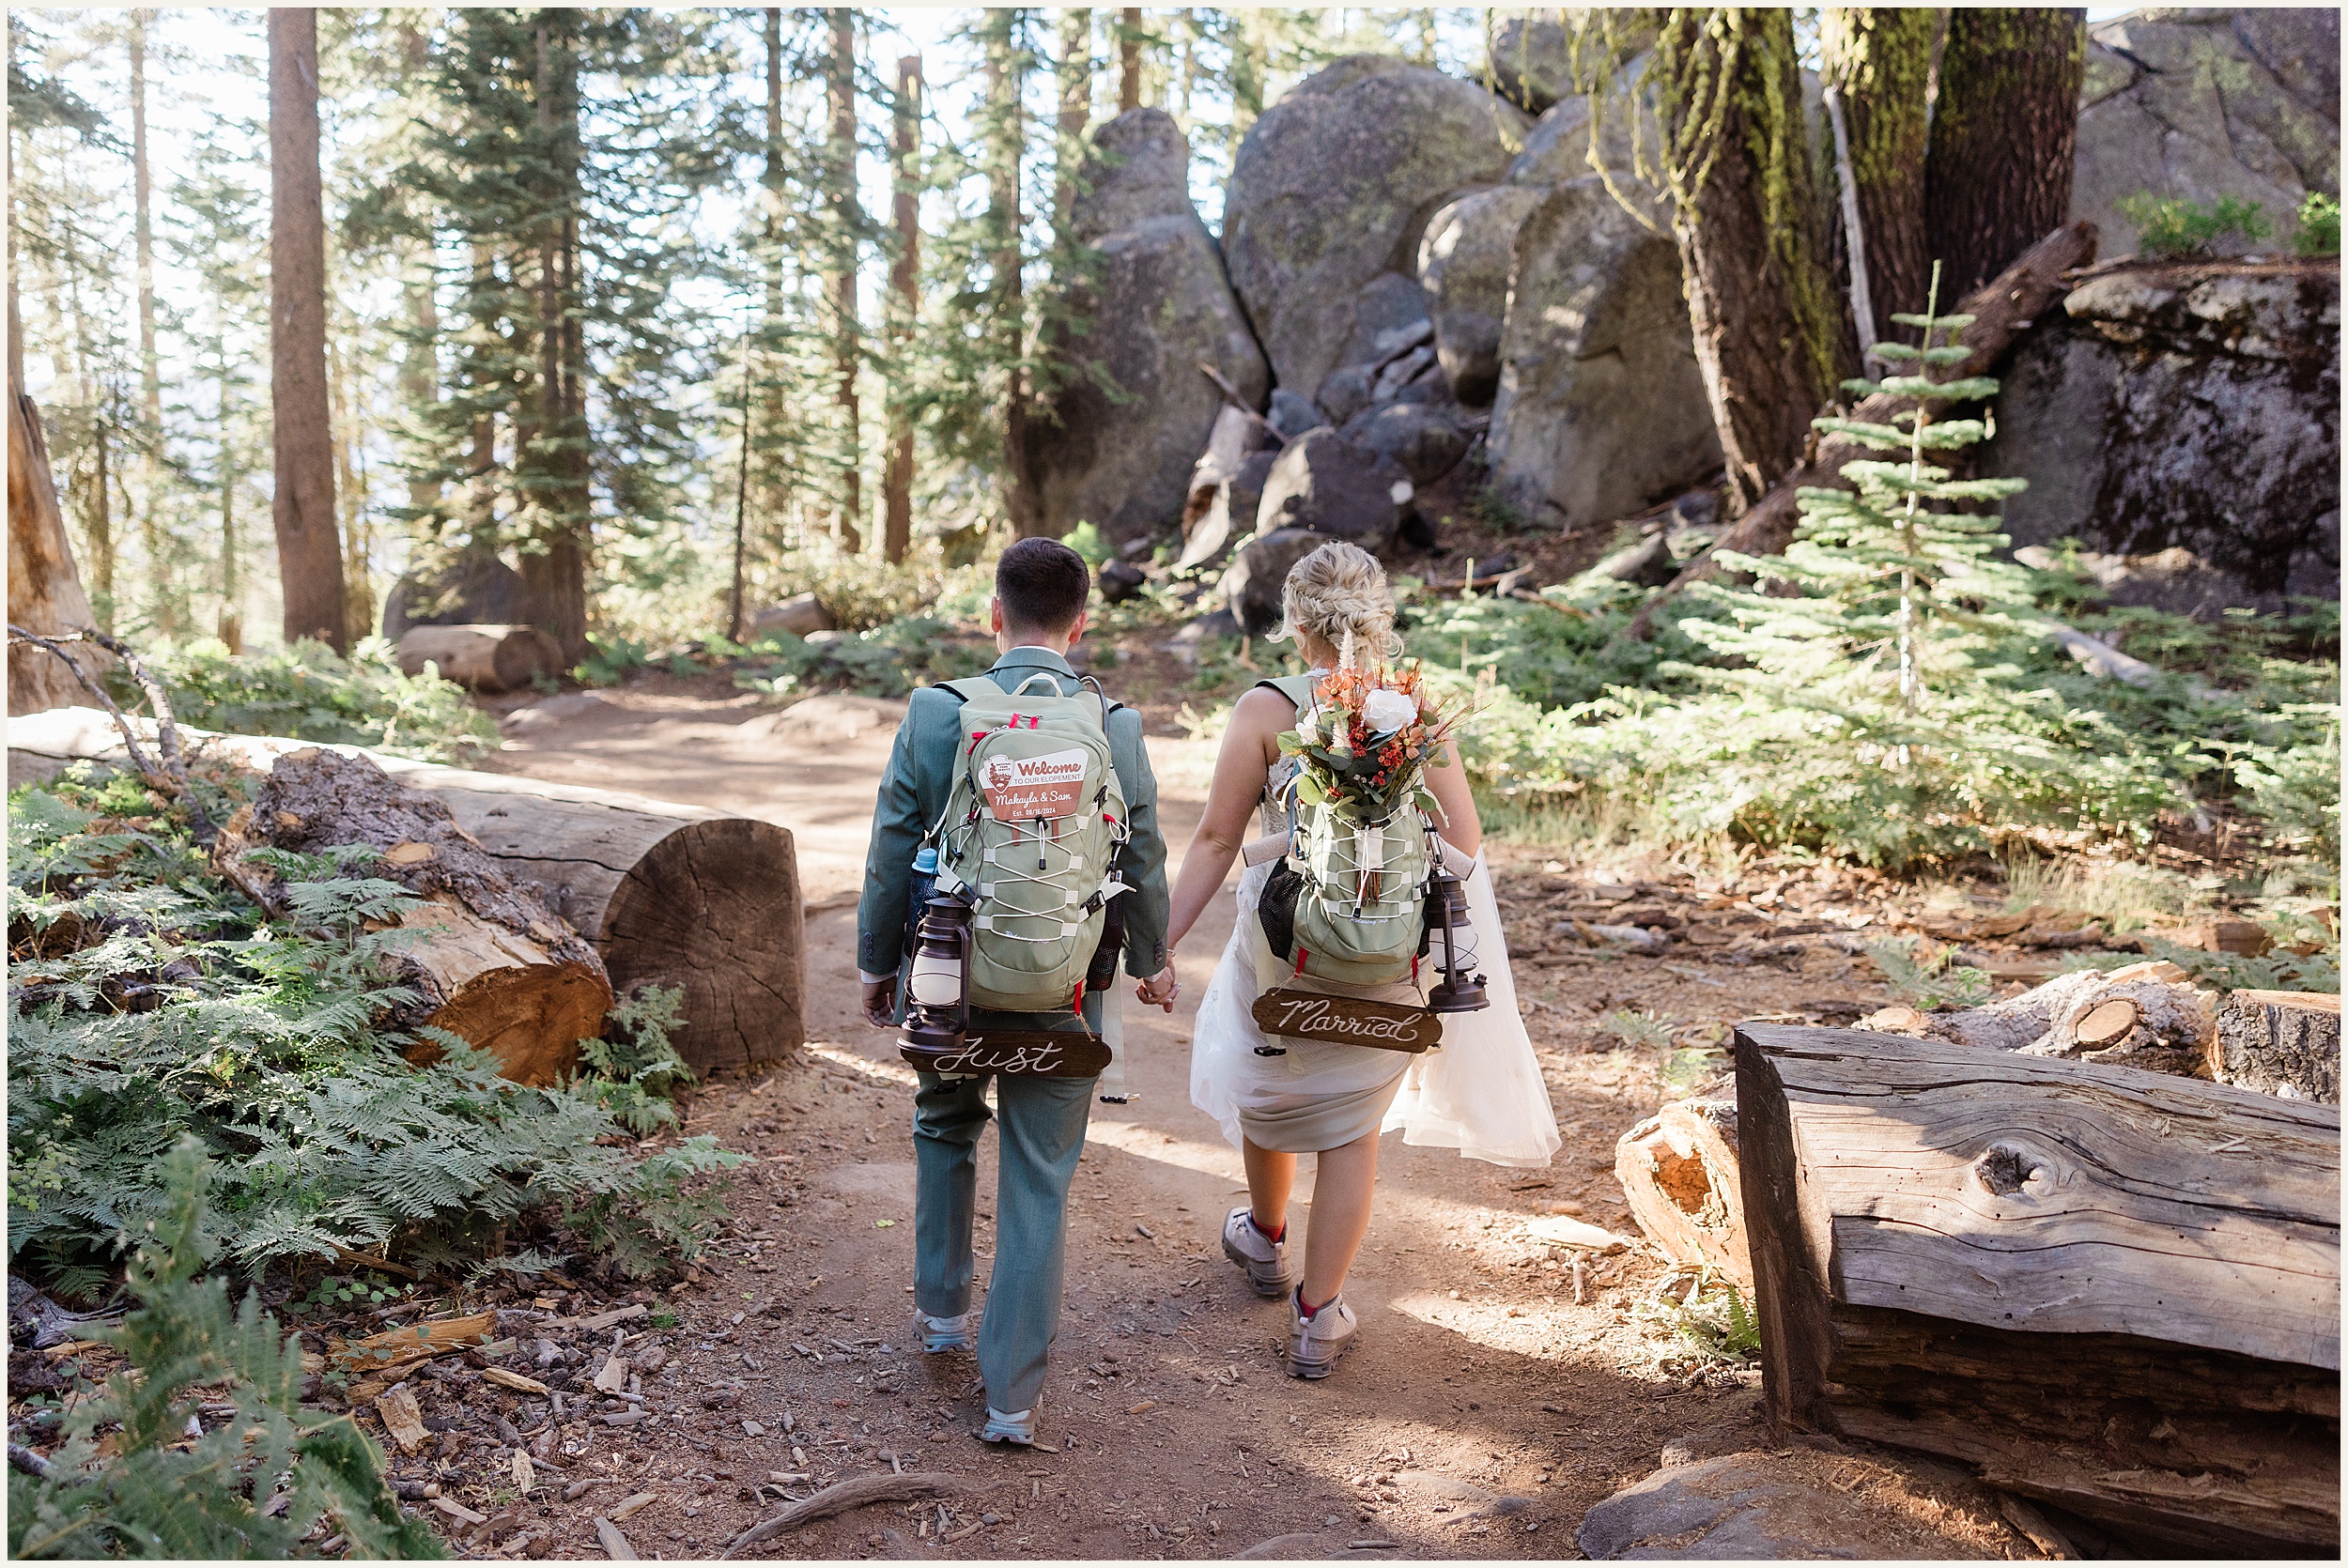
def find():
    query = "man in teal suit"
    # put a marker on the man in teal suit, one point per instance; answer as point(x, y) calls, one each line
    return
point(1041, 589)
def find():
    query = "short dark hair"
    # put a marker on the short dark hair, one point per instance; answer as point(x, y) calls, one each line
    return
point(1042, 584)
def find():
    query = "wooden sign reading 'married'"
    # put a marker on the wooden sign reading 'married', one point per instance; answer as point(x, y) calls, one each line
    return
point(1044, 1053)
point(1301, 1015)
point(1021, 789)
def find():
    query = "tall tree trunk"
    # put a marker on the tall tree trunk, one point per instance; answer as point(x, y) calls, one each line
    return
point(1878, 59)
point(1075, 112)
point(551, 454)
point(99, 526)
point(1005, 134)
point(16, 312)
point(774, 484)
point(839, 88)
point(420, 365)
point(1770, 340)
point(231, 626)
point(1251, 64)
point(904, 289)
point(309, 553)
point(143, 194)
point(1128, 58)
point(349, 445)
point(2004, 134)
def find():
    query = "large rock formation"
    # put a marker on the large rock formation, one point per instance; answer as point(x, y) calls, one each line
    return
point(1463, 267)
point(1601, 408)
point(1325, 484)
point(2188, 407)
point(2204, 103)
point(474, 587)
point(1331, 189)
point(1157, 305)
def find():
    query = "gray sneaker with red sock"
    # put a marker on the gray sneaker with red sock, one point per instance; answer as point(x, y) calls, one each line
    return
point(1265, 1259)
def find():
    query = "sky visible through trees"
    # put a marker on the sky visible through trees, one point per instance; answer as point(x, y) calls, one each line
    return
point(173, 521)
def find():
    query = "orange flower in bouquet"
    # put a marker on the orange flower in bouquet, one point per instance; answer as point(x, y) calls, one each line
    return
point(1366, 742)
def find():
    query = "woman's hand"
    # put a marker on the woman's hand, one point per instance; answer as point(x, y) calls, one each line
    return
point(1160, 989)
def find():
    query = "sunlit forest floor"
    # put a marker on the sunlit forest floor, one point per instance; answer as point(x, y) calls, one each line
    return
point(1483, 1410)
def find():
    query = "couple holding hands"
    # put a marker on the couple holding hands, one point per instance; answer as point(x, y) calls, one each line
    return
point(993, 780)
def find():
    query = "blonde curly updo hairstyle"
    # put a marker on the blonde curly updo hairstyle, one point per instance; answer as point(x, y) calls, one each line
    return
point(1337, 590)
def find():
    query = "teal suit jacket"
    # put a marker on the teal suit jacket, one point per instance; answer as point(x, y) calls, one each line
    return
point(921, 773)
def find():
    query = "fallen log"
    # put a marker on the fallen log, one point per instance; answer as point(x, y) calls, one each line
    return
point(2110, 1290)
point(484, 658)
point(2002, 310)
point(2279, 1043)
point(490, 963)
point(668, 894)
point(2142, 1015)
point(1678, 1174)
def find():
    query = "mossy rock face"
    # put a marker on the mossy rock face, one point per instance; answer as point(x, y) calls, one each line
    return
point(2202, 104)
point(1156, 307)
point(1600, 408)
point(1333, 185)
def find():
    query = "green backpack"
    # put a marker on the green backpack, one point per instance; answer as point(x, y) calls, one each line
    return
point(1348, 905)
point(1030, 837)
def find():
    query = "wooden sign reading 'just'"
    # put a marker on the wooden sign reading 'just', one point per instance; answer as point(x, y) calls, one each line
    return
point(1351, 1020)
point(1045, 1052)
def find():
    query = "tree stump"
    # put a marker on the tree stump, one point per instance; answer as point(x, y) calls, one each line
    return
point(1679, 1172)
point(494, 966)
point(481, 657)
point(44, 589)
point(2279, 1043)
point(2112, 1290)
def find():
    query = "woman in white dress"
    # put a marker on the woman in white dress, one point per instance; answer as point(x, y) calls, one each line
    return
point(1479, 1092)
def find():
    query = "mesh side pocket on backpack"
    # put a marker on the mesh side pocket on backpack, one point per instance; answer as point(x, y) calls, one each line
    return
point(1275, 908)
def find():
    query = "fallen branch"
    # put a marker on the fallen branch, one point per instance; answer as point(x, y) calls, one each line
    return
point(1223, 386)
point(171, 775)
point(857, 1492)
point(2001, 309)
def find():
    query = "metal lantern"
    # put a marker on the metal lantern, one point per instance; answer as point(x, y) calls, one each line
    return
point(937, 984)
point(1452, 938)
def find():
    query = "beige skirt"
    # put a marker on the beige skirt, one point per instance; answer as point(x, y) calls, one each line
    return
point(1315, 1094)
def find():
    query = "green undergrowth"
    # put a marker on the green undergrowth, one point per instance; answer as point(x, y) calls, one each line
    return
point(1576, 732)
point(150, 1002)
point(311, 693)
point(138, 1470)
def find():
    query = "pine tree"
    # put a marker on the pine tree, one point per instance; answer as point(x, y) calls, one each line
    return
point(1906, 634)
point(558, 414)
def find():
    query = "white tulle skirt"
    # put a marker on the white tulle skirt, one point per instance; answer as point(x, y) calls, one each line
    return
point(1480, 1092)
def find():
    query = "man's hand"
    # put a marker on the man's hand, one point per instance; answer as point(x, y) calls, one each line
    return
point(880, 997)
point(1160, 989)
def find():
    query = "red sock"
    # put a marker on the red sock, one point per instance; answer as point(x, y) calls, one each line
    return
point(1304, 1307)
point(1266, 1231)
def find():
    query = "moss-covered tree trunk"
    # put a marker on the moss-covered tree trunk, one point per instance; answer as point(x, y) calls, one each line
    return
point(1771, 338)
point(1878, 59)
point(2004, 134)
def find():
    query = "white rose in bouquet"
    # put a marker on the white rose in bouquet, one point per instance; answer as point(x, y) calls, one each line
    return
point(1385, 712)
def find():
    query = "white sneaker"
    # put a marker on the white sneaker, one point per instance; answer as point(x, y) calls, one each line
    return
point(944, 1334)
point(1315, 1343)
point(1017, 1428)
point(1265, 1260)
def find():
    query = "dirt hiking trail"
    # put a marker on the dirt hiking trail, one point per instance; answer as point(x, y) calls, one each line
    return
point(1481, 1413)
